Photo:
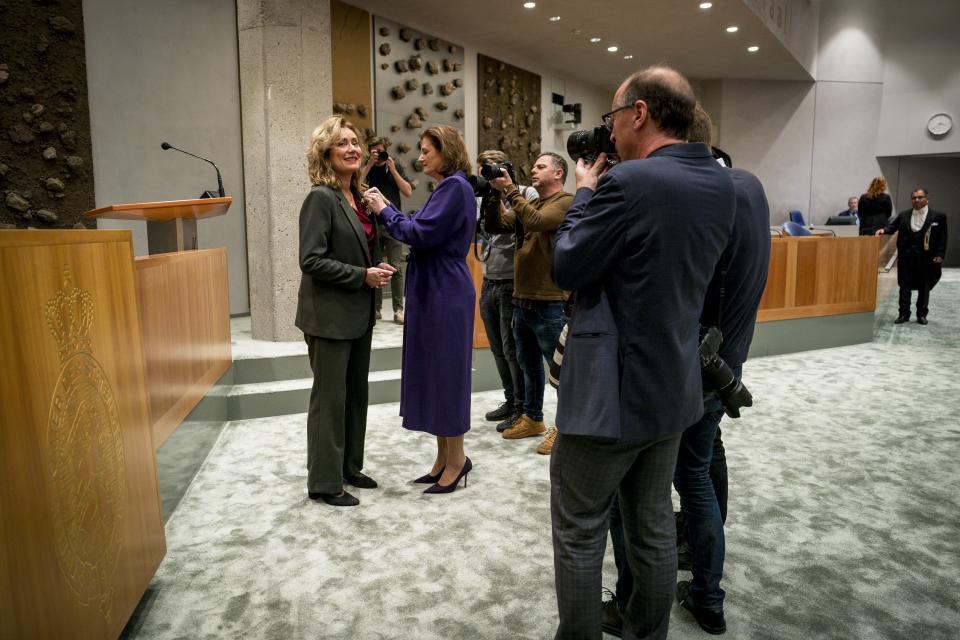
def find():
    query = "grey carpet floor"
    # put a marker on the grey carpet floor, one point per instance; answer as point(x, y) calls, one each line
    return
point(844, 516)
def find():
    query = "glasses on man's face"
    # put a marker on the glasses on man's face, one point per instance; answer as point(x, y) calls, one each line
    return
point(918, 197)
point(607, 118)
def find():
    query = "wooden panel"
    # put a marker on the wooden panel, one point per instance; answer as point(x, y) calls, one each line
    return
point(185, 314)
point(820, 276)
point(476, 272)
point(164, 211)
point(81, 532)
point(350, 62)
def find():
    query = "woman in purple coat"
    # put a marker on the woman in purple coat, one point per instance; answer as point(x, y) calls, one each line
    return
point(438, 334)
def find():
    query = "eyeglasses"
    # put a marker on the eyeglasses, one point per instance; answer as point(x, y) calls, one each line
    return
point(918, 197)
point(607, 118)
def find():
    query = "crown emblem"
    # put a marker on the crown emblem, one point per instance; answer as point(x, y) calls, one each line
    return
point(69, 316)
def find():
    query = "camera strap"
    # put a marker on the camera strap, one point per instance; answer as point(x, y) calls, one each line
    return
point(712, 314)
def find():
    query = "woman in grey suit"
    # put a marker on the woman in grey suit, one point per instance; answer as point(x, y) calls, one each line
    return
point(335, 310)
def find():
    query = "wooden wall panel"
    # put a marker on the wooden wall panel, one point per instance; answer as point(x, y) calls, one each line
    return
point(185, 314)
point(81, 532)
point(820, 276)
point(476, 272)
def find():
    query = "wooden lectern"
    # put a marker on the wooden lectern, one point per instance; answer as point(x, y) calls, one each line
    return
point(172, 225)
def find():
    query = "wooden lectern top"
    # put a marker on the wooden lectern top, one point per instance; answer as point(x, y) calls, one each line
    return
point(164, 211)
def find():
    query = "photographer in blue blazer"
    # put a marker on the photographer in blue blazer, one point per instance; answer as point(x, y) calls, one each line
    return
point(639, 246)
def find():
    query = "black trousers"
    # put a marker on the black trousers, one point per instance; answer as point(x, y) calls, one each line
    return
point(337, 417)
point(916, 264)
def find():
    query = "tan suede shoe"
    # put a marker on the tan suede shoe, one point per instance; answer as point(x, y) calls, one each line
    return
point(546, 445)
point(524, 428)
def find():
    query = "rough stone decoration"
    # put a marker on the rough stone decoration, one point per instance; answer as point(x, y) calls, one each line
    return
point(4, 73)
point(529, 120)
point(419, 43)
point(421, 113)
point(45, 127)
point(514, 99)
point(414, 122)
point(384, 65)
point(28, 93)
point(74, 162)
point(427, 89)
point(368, 133)
point(4, 170)
point(46, 215)
point(522, 132)
point(441, 106)
point(401, 66)
point(457, 66)
point(534, 108)
point(362, 110)
point(61, 24)
point(416, 63)
point(54, 184)
point(534, 147)
point(414, 184)
point(487, 122)
point(403, 147)
point(27, 117)
point(447, 64)
point(433, 68)
point(20, 134)
point(16, 202)
point(503, 125)
point(37, 110)
point(457, 82)
point(398, 93)
point(69, 140)
point(501, 90)
point(413, 84)
point(49, 153)
point(406, 35)
point(417, 166)
point(385, 49)
point(431, 186)
point(447, 89)
point(458, 114)
point(452, 49)
point(434, 44)
point(385, 31)
point(394, 128)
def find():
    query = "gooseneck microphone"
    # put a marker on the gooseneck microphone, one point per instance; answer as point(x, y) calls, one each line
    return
point(206, 194)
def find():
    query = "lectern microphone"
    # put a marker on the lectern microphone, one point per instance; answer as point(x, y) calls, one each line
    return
point(206, 194)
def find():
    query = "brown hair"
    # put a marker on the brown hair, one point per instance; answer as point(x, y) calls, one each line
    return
point(375, 140)
point(318, 153)
point(492, 155)
point(701, 129)
point(558, 163)
point(668, 95)
point(877, 186)
point(453, 151)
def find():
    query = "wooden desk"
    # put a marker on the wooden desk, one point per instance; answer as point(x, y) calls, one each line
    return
point(820, 276)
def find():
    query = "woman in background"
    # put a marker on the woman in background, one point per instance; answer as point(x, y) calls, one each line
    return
point(335, 310)
point(875, 207)
point(438, 333)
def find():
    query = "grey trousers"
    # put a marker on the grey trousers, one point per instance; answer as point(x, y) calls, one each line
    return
point(393, 252)
point(585, 475)
point(337, 417)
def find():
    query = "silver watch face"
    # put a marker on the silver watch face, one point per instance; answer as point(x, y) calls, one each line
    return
point(939, 124)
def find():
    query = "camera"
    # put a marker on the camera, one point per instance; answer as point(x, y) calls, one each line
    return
point(718, 376)
point(588, 144)
point(382, 155)
point(496, 169)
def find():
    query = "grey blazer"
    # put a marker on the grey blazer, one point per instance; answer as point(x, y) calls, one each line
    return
point(333, 301)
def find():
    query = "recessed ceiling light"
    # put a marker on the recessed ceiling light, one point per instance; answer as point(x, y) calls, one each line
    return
point(594, 39)
point(529, 5)
point(732, 29)
point(555, 19)
point(628, 57)
point(576, 32)
point(753, 48)
point(706, 5)
point(612, 49)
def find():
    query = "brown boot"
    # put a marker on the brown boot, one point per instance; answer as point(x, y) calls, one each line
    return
point(525, 427)
point(546, 445)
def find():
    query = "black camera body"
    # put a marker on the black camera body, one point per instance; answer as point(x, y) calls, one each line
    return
point(589, 144)
point(382, 155)
point(718, 376)
point(495, 170)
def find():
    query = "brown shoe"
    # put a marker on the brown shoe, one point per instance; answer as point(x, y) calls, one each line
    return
point(398, 317)
point(524, 428)
point(546, 445)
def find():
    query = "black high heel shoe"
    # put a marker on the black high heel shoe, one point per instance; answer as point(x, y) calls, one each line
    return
point(439, 488)
point(429, 479)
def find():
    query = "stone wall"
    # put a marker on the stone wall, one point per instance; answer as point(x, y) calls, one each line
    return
point(46, 180)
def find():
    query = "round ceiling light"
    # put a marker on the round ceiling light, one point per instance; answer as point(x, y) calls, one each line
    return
point(628, 57)
point(612, 49)
point(594, 39)
point(555, 19)
point(706, 5)
point(529, 5)
point(753, 48)
point(733, 29)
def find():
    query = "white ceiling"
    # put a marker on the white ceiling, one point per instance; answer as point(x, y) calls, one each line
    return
point(673, 31)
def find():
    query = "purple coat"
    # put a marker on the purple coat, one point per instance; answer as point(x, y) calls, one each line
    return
point(438, 329)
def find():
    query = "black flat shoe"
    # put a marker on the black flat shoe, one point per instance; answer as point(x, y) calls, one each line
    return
point(901, 319)
point(361, 481)
point(503, 411)
point(334, 500)
point(710, 620)
point(922, 320)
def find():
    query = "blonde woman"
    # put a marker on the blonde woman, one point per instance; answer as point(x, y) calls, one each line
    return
point(874, 207)
point(438, 333)
point(335, 310)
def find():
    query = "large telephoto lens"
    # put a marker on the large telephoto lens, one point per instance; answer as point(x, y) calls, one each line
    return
point(580, 144)
point(492, 170)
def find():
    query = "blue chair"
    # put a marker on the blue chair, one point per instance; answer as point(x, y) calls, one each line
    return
point(796, 216)
point(793, 229)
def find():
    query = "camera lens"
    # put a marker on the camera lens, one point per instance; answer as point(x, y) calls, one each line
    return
point(580, 145)
point(382, 155)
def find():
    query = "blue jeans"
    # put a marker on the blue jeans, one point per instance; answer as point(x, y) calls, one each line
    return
point(536, 328)
point(701, 510)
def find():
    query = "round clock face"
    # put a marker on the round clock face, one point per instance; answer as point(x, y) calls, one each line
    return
point(940, 124)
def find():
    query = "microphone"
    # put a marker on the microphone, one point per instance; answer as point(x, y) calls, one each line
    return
point(206, 194)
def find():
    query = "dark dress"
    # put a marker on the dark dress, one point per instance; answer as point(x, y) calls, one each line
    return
point(874, 213)
point(438, 332)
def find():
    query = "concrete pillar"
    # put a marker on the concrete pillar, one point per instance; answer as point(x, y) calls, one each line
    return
point(286, 91)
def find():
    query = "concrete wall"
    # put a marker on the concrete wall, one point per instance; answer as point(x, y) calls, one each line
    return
point(168, 71)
